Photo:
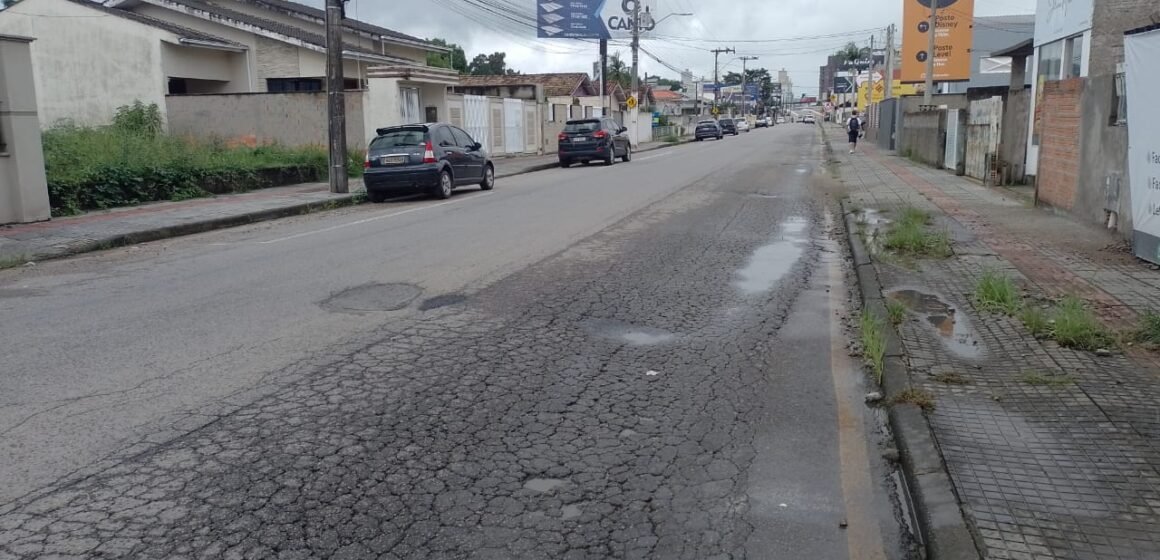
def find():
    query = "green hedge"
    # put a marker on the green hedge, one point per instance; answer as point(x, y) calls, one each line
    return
point(132, 162)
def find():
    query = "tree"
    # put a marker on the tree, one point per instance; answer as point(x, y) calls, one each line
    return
point(674, 85)
point(851, 52)
point(619, 72)
point(493, 64)
point(456, 59)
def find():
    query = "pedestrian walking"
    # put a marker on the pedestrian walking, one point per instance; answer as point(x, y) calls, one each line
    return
point(854, 130)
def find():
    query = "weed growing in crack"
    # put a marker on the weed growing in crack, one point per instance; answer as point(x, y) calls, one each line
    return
point(951, 379)
point(874, 343)
point(918, 397)
point(1077, 327)
point(895, 311)
point(1036, 321)
point(998, 293)
point(1149, 331)
point(911, 236)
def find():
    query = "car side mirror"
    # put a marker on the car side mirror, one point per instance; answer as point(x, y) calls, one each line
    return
point(622, 130)
point(476, 147)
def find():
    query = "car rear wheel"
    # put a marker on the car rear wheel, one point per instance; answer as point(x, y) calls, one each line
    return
point(565, 163)
point(611, 157)
point(488, 182)
point(445, 186)
point(627, 154)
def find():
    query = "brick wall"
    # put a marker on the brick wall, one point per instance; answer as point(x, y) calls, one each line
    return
point(275, 59)
point(1059, 150)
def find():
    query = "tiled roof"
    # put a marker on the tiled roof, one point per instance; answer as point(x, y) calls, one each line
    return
point(555, 85)
point(286, 30)
point(666, 95)
point(181, 32)
point(316, 13)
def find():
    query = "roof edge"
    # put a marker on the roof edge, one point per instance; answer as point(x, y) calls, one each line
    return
point(1145, 29)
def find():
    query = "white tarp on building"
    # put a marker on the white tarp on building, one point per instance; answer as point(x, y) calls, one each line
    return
point(1141, 51)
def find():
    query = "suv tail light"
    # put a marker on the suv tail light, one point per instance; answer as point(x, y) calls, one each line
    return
point(600, 134)
point(562, 137)
point(367, 160)
point(429, 154)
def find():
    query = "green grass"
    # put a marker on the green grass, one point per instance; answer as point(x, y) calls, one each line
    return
point(1149, 331)
point(917, 397)
point(13, 262)
point(910, 235)
point(1036, 321)
point(1039, 379)
point(873, 343)
point(998, 293)
point(895, 311)
point(1077, 327)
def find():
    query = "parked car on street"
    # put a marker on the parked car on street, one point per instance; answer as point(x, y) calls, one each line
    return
point(708, 129)
point(728, 126)
point(781, 120)
point(809, 119)
point(434, 158)
point(742, 125)
point(762, 122)
point(586, 140)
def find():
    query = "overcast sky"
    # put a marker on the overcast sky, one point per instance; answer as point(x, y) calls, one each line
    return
point(781, 26)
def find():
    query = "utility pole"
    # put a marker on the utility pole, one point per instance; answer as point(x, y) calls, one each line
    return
point(716, 81)
point(870, 88)
point(335, 98)
point(930, 46)
point(605, 109)
point(744, 59)
point(889, 62)
point(633, 112)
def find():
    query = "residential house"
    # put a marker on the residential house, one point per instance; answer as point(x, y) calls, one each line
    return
point(1078, 121)
point(669, 102)
point(91, 58)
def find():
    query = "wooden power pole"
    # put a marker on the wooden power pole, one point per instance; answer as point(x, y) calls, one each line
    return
point(335, 98)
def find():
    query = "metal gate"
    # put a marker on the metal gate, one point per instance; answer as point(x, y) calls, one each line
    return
point(475, 118)
point(951, 156)
point(513, 126)
point(984, 126)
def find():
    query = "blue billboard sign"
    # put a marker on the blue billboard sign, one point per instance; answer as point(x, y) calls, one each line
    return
point(592, 19)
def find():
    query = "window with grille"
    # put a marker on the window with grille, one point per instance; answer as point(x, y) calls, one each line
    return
point(1119, 99)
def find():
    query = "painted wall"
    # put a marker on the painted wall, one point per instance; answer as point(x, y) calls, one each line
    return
point(293, 119)
point(226, 67)
point(23, 191)
point(86, 66)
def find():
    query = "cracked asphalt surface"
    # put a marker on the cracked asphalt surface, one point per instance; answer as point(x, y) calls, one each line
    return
point(635, 362)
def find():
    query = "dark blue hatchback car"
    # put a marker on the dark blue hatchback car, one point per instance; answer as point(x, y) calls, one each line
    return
point(434, 158)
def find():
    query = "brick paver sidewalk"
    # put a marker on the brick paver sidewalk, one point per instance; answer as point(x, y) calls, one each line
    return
point(1054, 453)
point(121, 226)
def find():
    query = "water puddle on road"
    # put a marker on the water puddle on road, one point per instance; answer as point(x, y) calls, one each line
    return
point(953, 328)
point(632, 334)
point(771, 262)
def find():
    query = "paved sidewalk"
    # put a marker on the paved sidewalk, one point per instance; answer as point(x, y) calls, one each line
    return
point(1054, 453)
point(150, 222)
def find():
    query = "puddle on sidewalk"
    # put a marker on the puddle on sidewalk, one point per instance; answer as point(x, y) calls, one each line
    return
point(952, 327)
point(875, 227)
point(771, 262)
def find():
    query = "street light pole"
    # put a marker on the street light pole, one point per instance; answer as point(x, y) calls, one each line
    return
point(716, 81)
point(930, 46)
point(335, 98)
point(744, 108)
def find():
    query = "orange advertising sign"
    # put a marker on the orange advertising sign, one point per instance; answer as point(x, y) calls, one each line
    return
point(952, 52)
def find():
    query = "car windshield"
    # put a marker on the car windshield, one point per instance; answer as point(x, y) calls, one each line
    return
point(726, 121)
point(582, 126)
point(399, 138)
point(706, 123)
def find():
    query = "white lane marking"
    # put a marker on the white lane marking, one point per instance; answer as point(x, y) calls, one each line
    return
point(663, 154)
point(368, 220)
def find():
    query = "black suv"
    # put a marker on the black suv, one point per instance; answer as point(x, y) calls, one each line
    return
point(432, 157)
point(707, 129)
point(586, 140)
point(728, 126)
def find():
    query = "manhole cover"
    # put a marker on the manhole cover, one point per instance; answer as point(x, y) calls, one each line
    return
point(373, 297)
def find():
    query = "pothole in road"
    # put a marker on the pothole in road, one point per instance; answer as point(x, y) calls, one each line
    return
point(445, 300)
point(372, 297)
point(954, 329)
point(544, 484)
point(771, 262)
point(632, 334)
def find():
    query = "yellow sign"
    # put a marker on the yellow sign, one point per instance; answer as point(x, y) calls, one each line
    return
point(952, 51)
point(716, 111)
point(631, 103)
point(900, 89)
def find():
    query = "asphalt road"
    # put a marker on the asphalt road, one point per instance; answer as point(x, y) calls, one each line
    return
point(642, 361)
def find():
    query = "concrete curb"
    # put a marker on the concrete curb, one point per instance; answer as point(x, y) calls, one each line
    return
point(945, 532)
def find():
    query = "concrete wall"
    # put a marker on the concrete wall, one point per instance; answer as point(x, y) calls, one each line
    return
point(23, 191)
point(923, 138)
point(228, 68)
point(292, 119)
point(1013, 148)
point(1059, 149)
point(86, 65)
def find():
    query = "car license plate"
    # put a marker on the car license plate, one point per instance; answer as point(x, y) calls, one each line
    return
point(394, 160)
point(579, 138)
